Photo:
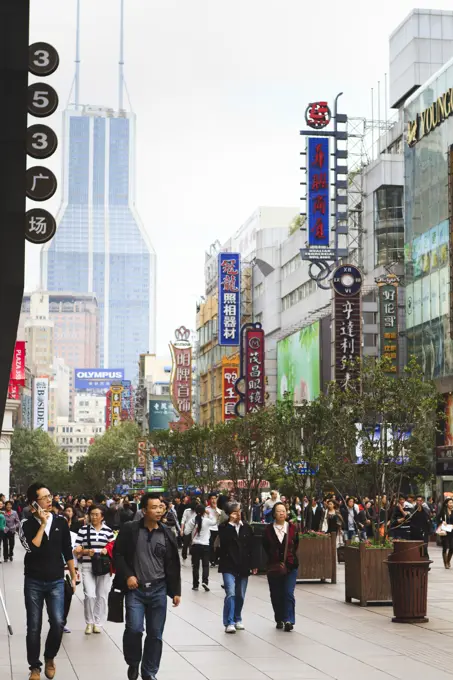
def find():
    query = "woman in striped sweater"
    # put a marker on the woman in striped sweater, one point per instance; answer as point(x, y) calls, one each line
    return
point(93, 538)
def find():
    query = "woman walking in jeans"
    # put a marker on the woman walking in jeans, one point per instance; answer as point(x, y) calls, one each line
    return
point(11, 529)
point(280, 543)
point(199, 527)
point(237, 560)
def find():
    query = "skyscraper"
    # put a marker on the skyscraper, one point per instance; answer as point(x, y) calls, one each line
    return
point(101, 246)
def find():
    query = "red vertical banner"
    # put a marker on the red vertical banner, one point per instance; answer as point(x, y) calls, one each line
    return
point(254, 369)
point(18, 366)
point(229, 395)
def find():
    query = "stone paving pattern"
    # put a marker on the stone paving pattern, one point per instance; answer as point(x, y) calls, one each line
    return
point(331, 639)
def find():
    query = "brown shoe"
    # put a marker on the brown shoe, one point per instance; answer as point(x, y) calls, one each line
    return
point(35, 674)
point(49, 669)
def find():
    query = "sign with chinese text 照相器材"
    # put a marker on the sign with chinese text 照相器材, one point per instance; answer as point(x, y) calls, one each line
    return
point(318, 194)
point(229, 313)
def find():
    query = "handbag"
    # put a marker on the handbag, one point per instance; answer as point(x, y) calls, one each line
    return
point(280, 568)
point(440, 531)
point(100, 564)
point(116, 606)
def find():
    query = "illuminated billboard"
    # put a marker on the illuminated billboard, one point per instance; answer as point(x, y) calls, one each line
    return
point(298, 365)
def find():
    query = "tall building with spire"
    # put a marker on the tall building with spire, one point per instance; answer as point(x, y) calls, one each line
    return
point(101, 245)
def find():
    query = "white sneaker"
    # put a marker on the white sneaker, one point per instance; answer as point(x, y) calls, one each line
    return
point(239, 626)
point(230, 629)
point(89, 629)
point(97, 630)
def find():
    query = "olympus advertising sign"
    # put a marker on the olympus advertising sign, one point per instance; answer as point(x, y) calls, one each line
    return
point(96, 378)
point(41, 404)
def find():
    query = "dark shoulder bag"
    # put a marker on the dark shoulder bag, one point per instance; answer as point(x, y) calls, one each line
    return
point(100, 564)
point(280, 568)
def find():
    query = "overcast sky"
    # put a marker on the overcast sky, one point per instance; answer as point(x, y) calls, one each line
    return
point(219, 88)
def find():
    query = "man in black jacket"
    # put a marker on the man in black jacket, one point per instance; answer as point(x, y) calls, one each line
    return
point(47, 540)
point(237, 559)
point(147, 570)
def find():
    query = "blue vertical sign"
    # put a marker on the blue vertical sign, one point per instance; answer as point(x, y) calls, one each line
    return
point(318, 194)
point(229, 298)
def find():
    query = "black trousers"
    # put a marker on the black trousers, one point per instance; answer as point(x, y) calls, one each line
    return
point(213, 553)
point(8, 540)
point(186, 541)
point(420, 535)
point(200, 553)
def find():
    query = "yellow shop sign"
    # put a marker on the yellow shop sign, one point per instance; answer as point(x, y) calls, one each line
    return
point(430, 118)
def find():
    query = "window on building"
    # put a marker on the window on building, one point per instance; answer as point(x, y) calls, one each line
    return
point(389, 224)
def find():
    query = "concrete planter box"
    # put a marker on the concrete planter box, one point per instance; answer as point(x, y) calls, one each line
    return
point(317, 559)
point(366, 575)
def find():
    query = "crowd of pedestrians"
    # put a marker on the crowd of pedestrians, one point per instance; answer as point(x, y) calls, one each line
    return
point(134, 547)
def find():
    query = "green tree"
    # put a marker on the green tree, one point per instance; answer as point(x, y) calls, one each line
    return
point(35, 457)
point(109, 458)
point(391, 421)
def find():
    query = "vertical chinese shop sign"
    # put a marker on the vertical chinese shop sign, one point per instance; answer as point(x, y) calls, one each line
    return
point(347, 300)
point(108, 410)
point(254, 369)
point(230, 374)
point(388, 319)
point(181, 379)
point(318, 196)
point(116, 391)
point(229, 296)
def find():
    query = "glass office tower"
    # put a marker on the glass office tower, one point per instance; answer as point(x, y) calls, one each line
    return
point(101, 245)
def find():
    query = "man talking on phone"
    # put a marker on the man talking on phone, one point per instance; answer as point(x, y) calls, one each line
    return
point(47, 540)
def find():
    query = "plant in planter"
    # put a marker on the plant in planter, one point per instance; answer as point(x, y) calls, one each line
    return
point(384, 425)
point(317, 556)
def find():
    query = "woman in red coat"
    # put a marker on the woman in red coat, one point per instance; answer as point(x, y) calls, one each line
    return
point(280, 542)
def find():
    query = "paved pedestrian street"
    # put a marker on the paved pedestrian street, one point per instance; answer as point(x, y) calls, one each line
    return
point(331, 639)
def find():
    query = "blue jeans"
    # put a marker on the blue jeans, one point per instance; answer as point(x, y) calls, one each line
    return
point(150, 604)
point(235, 589)
point(36, 593)
point(282, 596)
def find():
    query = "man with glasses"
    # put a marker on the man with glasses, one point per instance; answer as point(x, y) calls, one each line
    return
point(47, 542)
point(148, 570)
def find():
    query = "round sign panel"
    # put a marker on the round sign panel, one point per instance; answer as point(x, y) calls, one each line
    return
point(41, 141)
point(43, 59)
point(40, 226)
point(42, 100)
point(347, 280)
point(41, 183)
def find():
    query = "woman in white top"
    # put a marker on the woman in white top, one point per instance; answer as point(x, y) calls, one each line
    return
point(93, 538)
point(199, 527)
point(188, 514)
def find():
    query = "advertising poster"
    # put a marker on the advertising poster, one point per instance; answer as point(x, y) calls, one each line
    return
point(444, 291)
point(435, 298)
point(409, 294)
point(298, 364)
point(41, 404)
point(426, 299)
point(161, 413)
point(96, 378)
point(417, 303)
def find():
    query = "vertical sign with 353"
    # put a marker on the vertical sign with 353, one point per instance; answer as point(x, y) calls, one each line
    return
point(41, 183)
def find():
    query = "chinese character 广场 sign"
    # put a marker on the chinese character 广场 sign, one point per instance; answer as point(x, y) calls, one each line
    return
point(318, 194)
point(229, 298)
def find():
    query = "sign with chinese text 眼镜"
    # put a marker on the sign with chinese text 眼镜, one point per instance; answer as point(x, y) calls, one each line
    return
point(347, 283)
point(318, 193)
point(254, 370)
point(229, 298)
point(388, 317)
point(229, 395)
